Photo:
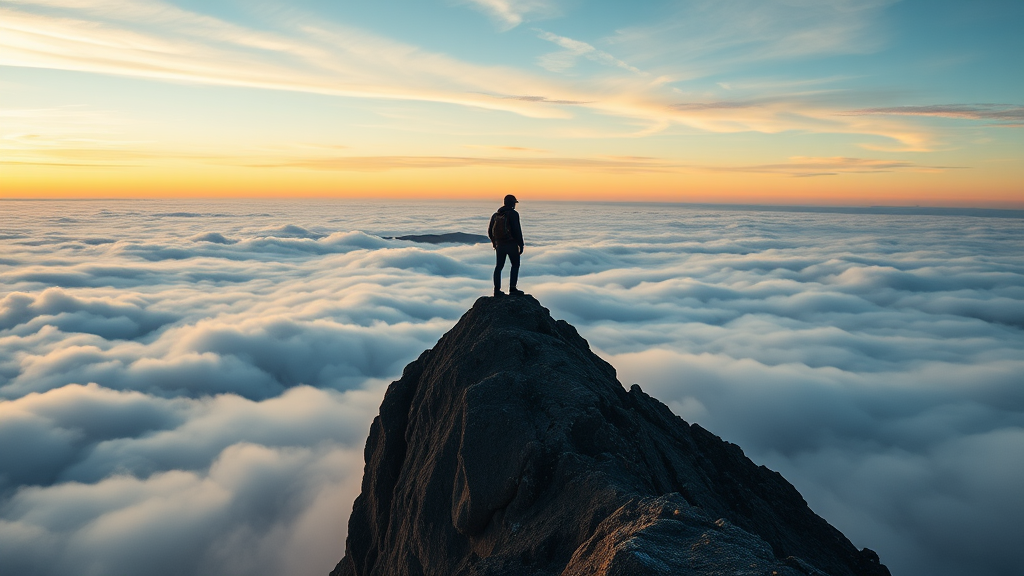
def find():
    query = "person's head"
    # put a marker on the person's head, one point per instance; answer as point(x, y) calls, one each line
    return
point(510, 201)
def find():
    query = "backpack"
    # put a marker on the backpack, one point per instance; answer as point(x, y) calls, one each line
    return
point(500, 230)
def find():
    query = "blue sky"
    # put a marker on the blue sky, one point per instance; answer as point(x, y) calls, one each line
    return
point(738, 100)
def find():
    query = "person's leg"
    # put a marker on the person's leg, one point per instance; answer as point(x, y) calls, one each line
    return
point(513, 258)
point(498, 265)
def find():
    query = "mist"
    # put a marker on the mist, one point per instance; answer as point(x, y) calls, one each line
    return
point(186, 389)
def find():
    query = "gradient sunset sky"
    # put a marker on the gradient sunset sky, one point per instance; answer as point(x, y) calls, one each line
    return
point(852, 102)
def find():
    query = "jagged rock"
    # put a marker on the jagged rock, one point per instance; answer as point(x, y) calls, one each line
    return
point(511, 449)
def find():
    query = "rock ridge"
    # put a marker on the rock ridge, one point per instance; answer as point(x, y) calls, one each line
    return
point(510, 448)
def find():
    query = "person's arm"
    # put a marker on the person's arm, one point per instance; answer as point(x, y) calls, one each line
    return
point(518, 232)
point(490, 232)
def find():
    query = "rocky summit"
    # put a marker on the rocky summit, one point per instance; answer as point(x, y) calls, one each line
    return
point(511, 449)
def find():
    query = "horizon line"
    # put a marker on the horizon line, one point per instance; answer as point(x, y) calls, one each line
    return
point(879, 209)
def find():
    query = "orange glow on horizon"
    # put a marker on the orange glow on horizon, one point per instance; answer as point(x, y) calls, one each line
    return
point(924, 189)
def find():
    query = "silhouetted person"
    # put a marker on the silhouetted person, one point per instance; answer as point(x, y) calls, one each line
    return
point(507, 240)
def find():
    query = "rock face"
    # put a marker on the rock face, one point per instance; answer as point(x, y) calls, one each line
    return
point(511, 449)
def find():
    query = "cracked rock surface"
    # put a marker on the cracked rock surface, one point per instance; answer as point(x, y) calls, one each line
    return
point(511, 449)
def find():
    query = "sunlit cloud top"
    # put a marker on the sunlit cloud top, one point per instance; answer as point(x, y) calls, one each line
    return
point(220, 93)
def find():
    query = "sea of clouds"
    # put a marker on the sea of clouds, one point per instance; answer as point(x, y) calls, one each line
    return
point(186, 386)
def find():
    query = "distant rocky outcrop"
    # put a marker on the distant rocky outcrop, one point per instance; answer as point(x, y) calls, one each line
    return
point(447, 238)
point(511, 449)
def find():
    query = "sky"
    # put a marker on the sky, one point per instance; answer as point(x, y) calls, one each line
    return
point(186, 385)
point(824, 102)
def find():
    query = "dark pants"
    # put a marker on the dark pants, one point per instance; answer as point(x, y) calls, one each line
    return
point(512, 251)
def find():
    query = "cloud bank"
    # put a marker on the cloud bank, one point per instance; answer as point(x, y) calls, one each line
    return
point(186, 388)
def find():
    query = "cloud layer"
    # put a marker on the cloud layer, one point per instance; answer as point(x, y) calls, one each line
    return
point(185, 384)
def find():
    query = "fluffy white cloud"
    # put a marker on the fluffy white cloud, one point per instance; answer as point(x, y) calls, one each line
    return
point(187, 388)
point(181, 522)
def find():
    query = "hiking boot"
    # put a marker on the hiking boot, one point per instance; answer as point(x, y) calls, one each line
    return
point(498, 292)
point(515, 292)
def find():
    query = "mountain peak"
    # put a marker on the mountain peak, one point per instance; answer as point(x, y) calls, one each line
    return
point(510, 448)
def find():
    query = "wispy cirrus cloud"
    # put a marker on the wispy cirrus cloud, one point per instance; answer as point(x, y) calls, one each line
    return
point(805, 167)
point(573, 50)
point(999, 112)
point(512, 13)
point(41, 151)
point(716, 105)
point(62, 127)
point(510, 148)
point(711, 36)
point(385, 163)
point(799, 167)
point(160, 41)
point(543, 100)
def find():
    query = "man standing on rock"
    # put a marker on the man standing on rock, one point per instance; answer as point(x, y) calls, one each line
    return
point(507, 240)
